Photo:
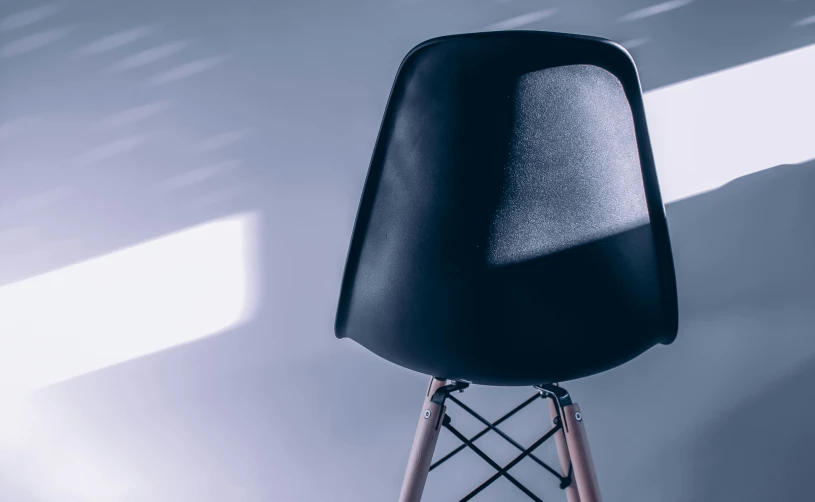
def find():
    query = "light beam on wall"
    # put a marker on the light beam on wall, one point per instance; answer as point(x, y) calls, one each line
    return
point(134, 302)
point(713, 129)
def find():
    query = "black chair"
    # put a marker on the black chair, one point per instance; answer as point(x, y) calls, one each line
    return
point(511, 232)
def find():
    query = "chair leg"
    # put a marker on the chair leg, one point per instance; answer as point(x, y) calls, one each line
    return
point(424, 445)
point(563, 455)
point(582, 463)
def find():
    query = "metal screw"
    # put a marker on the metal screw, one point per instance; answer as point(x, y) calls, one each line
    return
point(427, 414)
point(556, 420)
point(578, 416)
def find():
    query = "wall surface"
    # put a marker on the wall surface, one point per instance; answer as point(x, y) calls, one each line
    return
point(124, 121)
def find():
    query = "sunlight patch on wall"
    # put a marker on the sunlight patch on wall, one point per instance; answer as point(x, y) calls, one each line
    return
point(713, 129)
point(153, 296)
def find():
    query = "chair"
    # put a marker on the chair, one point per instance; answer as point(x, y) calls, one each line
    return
point(511, 232)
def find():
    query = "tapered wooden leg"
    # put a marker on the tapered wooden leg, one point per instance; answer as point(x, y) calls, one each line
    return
point(582, 464)
point(563, 454)
point(424, 444)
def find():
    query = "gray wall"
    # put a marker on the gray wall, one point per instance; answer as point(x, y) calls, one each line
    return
point(280, 410)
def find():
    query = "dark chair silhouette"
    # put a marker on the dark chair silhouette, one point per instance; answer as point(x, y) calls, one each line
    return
point(511, 232)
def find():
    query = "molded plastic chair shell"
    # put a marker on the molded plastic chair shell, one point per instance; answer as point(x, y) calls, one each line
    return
point(511, 229)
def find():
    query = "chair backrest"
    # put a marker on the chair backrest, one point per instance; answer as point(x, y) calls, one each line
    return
point(511, 229)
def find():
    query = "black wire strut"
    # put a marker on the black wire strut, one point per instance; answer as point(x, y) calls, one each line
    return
point(554, 392)
point(485, 430)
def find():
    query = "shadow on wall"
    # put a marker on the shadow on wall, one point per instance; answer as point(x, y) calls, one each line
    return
point(761, 450)
point(758, 450)
point(749, 243)
point(723, 413)
point(754, 248)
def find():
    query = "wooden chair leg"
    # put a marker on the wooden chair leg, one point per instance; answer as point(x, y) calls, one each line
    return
point(585, 476)
point(424, 445)
point(563, 455)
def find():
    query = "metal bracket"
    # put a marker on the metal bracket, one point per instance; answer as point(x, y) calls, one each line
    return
point(561, 398)
point(442, 392)
point(556, 392)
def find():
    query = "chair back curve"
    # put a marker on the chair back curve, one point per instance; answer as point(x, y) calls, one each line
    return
point(511, 229)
